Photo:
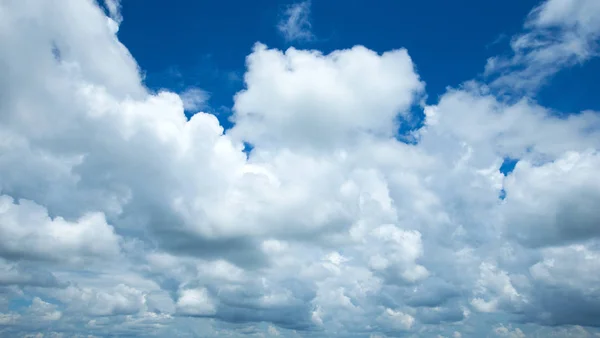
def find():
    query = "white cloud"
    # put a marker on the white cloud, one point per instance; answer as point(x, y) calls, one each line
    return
point(195, 302)
point(273, 332)
point(306, 99)
point(44, 311)
point(503, 331)
point(397, 251)
point(9, 318)
point(295, 24)
point(581, 14)
point(497, 289)
point(114, 10)
point(194, 99)
point(119, 215)
point(396, 320)
point(26, 230)
point(554, 203)
point(94, 301)
point(559, 34)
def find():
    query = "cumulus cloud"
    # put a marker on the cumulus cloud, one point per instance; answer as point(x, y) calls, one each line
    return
point(552, 209)
point(120, 216)
point(303, 99)
point(28, 232)
point(195, 302)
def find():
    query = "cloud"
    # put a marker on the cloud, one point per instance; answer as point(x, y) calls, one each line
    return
point(331, 103)
point(558, 34)
point(114, 10)
point(396, 320)
point(119, 216)
point(295, 24)
point(195, 302)
point(28, 232)
point(503, 331)
point(194, 99)
point(563, 210)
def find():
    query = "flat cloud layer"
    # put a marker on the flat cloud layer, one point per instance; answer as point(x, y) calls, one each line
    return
point(121, 217)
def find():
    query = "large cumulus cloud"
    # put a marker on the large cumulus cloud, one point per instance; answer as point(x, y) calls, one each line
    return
point(120, 216)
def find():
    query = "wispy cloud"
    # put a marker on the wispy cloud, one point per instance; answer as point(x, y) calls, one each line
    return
point(558, 34)
point(194, 98)
point(295, 24)
point(114, 10)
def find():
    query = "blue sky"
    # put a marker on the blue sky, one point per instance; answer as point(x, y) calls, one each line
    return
point(204, 43)
point(299, 169)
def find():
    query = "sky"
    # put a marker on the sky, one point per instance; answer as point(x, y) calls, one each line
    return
point(299, 169)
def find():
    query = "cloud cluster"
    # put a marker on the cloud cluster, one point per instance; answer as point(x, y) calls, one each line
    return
point(120, 216)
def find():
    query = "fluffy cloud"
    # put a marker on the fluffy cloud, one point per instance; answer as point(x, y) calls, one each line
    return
point(28, 232)
point(554, 203)
point(120, 216)
point(195, 302)
point(306, 99)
